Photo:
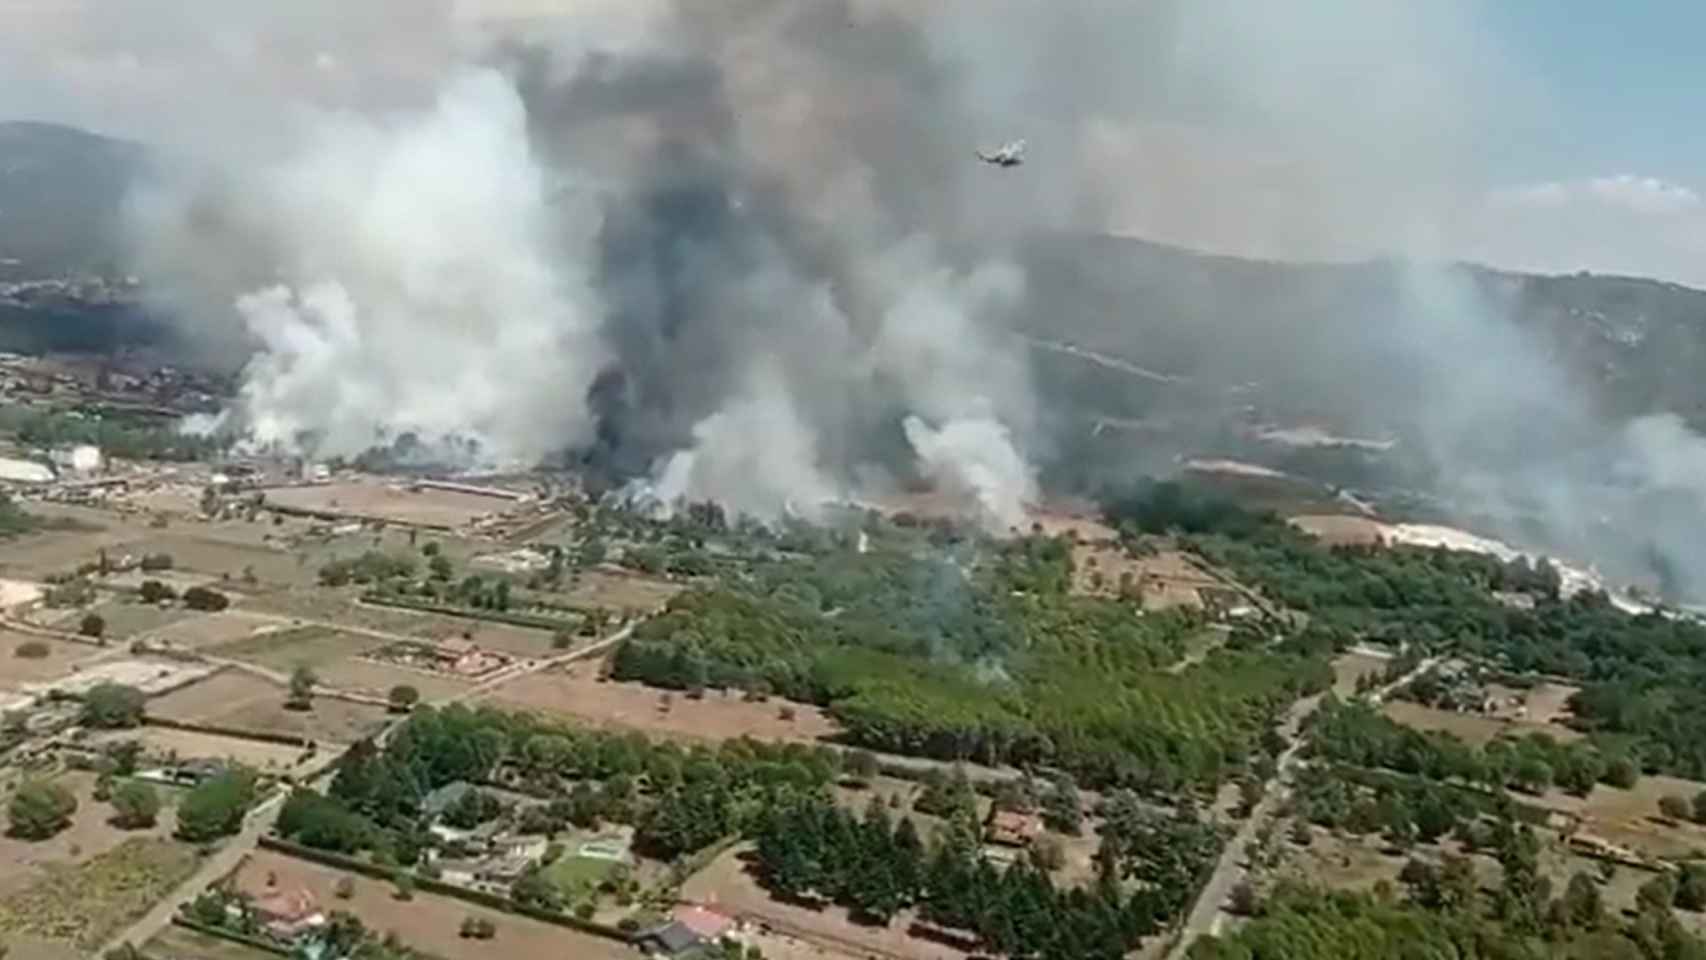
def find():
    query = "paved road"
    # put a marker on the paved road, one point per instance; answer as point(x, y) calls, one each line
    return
point(1209, 911)
point(261, 819)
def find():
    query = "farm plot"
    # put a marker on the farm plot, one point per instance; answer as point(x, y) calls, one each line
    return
point(429, 922)
point(89, 835)
point(366, 676)
point(191, 744)
point(222, 558)
point(391, 503)
point(1476, 729)
point(214, 629)
point(125, 617)
point(620, 591)
point(577, 692)
point(284, 650)
point(85, 904)
point(1631, 818)
point(728, 883)
point(1351, 668)
point(345, 609)
point(61, 658)
point(241, 701)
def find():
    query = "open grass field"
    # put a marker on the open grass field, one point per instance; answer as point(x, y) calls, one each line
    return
point(242, 701)
point(577, 692)
point(577, 877)
point(429, 922)
point(83, 905)
point(284, 650)
point(62, 657)
point(728, 883)
point(394, 503)
point(177, 943)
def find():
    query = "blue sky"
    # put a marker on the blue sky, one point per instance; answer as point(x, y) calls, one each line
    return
point(1627, 83)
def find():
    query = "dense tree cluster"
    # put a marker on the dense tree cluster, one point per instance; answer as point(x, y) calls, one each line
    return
point(977, 654)
point(217, 806)
point(808, 848)
point(374, 566)
point(1643, 676)
point(1360, 735)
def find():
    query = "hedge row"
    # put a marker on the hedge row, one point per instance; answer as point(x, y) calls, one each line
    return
point(469, 613)
point(286, 739)
point(430, 885)
point(257, 942)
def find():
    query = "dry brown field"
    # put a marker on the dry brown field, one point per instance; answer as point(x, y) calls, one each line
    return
point(126, 617)
point(179, 943)
point(392, 503)
point(345, 608)
point(214, 629)
point(1631, 817)
point(1476, 729)
point(194, 551)
point(1341, 529)
point(621, 591)
point(577, 692)
point(365, 676)
point(85, 904)
point(191, 744)
point(429, 922)
point(23, 862)
point(728, 883)
point(63, 655)
point(283, 650)
point(242, 701)
point(1353, 666)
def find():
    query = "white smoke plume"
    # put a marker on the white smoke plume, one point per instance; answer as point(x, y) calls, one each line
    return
point(418, 289)
point(976, 457)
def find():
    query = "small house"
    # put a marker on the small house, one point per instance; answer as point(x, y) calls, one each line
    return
point(1010, 828)
point(522, 846)
point(706, 923)
point(289, 914)
point(669, 940)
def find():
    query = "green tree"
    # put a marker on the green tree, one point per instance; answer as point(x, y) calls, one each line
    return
point(92, 625)
point(439, 568)
point(112, 706)
point(204, 599)
point(135, 805)
point(1691, 887)
point(153, 591)
point(1676, 808)
point(403, 698)
point(302, 683)
point(39, 809)
point(1063, 809)
point(216, 807)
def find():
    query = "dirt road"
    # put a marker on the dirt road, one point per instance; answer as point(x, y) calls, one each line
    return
point(261, 819)
point(1209, 911)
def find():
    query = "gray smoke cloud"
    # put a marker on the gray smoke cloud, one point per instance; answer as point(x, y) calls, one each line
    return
point(742, 250)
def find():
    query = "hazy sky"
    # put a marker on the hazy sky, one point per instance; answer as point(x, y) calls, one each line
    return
point(1541, 134)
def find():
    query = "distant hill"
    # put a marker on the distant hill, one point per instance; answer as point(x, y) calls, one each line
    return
point(61, 197)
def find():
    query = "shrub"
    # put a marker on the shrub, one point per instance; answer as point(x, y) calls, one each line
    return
point(135, 805)
point(93, 625)
point(345, 888)
point(155, 562)
point(40, 809)
point(153, 591)
point(32, 650)
point(201, 598)
point(403, 698)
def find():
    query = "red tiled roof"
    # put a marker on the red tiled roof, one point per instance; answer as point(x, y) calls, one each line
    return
point(707, 923)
